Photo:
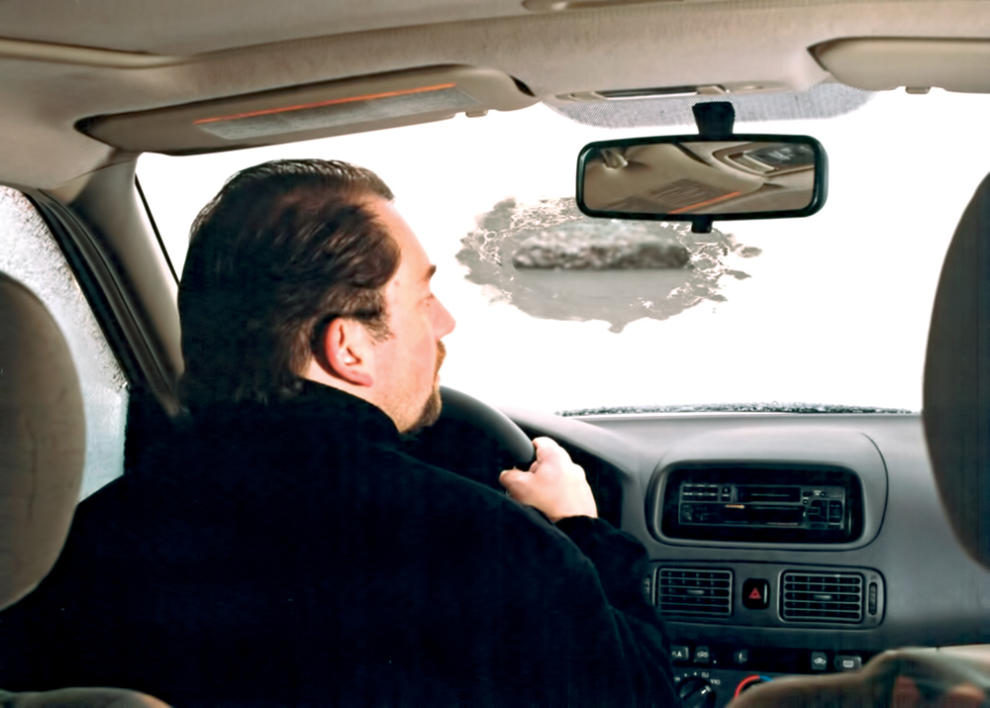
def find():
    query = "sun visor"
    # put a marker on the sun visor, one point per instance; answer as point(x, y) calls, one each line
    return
point(887, 63)
point(312, 111)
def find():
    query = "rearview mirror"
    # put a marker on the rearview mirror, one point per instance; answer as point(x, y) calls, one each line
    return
point(699, 179)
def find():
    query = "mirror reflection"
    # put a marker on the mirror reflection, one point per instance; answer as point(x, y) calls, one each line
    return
point(684, 177)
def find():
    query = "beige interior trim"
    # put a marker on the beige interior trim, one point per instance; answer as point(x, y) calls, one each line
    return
point(697, 43)
point(85, 56)
point(313, 110)
point(879, 63)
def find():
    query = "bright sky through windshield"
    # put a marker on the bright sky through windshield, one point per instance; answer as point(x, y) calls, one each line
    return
point(834, 309)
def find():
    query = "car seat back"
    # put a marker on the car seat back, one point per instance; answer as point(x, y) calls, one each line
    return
point(42, 456)
point(956, 410)
point(42, 440)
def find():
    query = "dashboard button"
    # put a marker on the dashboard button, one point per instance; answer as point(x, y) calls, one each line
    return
point(740, 657)
point(835, 511)
point(679, 652)
point(756, 594)
point(819, 661)
point(848, 662)
point(816, 512)
point(702, 655)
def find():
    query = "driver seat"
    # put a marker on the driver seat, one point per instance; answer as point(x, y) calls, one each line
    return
point(956, 410)
point(42, 455)
point(956, 418)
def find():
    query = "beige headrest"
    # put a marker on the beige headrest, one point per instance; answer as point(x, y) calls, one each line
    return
point(42, 440)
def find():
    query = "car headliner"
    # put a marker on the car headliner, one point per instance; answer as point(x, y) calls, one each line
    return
point(63, 61)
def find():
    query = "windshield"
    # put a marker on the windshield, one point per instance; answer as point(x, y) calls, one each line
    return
point(827, 310)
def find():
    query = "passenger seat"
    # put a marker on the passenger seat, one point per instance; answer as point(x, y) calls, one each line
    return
point(42, 454)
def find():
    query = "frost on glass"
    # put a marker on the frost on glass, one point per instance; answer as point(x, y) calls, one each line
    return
point(29, 254)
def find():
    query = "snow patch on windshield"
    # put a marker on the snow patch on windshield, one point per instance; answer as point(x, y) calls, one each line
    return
point(551, 261)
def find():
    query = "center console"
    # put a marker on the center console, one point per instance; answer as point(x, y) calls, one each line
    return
point(755, 571)
point(709, 676)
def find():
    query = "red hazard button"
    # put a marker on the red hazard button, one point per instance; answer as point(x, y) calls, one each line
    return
point(756, 594)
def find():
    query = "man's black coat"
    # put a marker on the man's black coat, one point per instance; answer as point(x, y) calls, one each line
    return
point(295, 554)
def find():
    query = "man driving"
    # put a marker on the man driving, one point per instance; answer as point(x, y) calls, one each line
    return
point(283, 546)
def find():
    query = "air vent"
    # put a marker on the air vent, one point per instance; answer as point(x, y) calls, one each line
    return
point(832, 598)
point(695, 592)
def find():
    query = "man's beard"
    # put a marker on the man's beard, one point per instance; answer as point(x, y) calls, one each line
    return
point(431, 409)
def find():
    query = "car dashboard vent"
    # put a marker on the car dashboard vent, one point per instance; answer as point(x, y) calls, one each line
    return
point(831, 598)
point(694, 592)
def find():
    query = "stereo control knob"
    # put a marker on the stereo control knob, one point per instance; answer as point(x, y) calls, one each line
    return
point(695, 692)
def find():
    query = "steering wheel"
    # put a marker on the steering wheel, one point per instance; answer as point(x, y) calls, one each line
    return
point(460, 406)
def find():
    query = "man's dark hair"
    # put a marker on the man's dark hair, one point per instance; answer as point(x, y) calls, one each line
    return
point(284, 248)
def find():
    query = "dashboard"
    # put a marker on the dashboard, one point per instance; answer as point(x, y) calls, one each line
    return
point(781, 544)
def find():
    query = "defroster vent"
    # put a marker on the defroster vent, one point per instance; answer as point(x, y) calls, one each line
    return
point(830, 598)
point(694, 592)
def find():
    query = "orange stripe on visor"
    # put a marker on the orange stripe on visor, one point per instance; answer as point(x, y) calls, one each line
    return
point(321, 104)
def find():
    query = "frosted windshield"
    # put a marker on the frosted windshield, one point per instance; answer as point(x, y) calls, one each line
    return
point(556, 311)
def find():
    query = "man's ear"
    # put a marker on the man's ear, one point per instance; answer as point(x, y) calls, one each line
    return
point(347, 351)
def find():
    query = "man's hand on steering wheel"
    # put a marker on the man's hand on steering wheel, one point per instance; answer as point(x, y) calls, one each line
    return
point(554, 484)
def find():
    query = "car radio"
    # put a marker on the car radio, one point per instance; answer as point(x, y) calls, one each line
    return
point(762, 505)
point(726, 503)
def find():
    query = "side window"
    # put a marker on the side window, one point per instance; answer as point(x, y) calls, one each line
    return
point(28, 253)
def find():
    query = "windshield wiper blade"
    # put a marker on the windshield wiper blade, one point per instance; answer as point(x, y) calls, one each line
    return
point(772, 407)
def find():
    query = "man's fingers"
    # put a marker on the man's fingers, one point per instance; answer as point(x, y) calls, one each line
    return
point(512, 479)
point(546, 447)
